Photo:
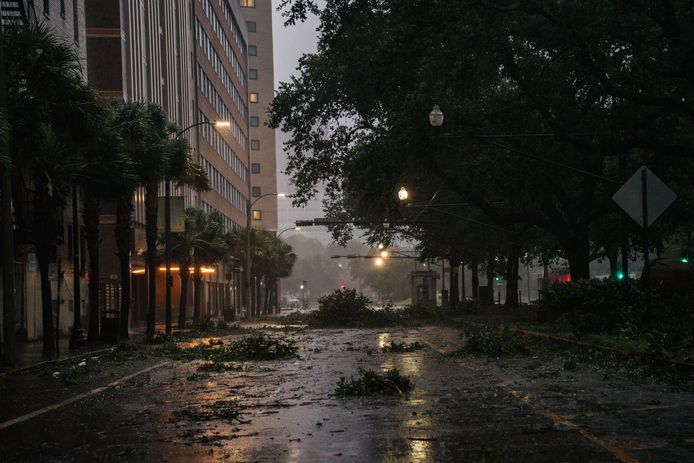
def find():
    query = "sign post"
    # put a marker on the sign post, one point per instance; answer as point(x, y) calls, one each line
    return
point(644, 197)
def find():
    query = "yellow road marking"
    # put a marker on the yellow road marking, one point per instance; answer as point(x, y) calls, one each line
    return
point(76, 398)
point(617, 451)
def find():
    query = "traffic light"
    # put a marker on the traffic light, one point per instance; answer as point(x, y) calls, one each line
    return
point(620, 275)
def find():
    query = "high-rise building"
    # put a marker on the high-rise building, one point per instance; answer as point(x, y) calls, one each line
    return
point(258, 18)
point(189, 56)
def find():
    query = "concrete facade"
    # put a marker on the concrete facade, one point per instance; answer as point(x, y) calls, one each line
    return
point(258, 17)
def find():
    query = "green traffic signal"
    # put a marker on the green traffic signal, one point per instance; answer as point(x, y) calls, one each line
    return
point(620, 275)
point(684, 260)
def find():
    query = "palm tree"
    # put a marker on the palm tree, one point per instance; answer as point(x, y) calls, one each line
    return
point(107, 174)
point(271, 258)
point(200, 236)
point(132, 122)
point(211, 248)
point(163, 157)
point(48, 107)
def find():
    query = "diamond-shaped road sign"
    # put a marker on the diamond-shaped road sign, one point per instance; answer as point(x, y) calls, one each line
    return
point(630, 196)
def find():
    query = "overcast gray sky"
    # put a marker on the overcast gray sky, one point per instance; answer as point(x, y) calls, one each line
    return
point(290, 43)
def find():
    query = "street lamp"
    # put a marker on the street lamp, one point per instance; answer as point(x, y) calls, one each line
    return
point(436, 116)
point(167, 222)
point(287, 229)
point(403, 194)
point(249, 207)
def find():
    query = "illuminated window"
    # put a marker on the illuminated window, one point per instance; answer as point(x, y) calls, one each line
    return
point(251, 26)
point(255, 168)
point(247, 3)
point(253, 74)
point(255, 121)
point(252, 50)
point(254, 97)
point(257, 215)
point(255, 191)
point(255, 145)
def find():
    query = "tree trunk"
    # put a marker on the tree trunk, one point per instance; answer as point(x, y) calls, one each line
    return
point(268, 294)
point(512, 277)
point(183, 301)
point(43, 257)
point(490, 279)
point(197, 294)
point(463, 295)
point(612, 252)
point(92, 210)
point(453, 297)
point(151, 198)
point(578, 255)
point(124, 209)
point(475, 278)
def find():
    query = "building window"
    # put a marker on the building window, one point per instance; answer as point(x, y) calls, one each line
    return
point(255, 145)
point(257, 215)
point(255, 121)
point(253, 74)
point(251, 26)
point(253, 97)
point(247, 3)
point(252, 50)
point(255, 191)
point(46, 7)
point(255, 168)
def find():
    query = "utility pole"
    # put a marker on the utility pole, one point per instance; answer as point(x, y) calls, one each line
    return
point(8, 309)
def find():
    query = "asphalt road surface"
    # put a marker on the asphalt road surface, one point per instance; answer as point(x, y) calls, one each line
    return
point(525, 408)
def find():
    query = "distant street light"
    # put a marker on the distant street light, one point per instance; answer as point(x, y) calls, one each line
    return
point(379, 262)
point(403, 194)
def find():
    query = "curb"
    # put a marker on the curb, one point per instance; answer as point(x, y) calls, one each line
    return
point(643, 358)
point(55, 361)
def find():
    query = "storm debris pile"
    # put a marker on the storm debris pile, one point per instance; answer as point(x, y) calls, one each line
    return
point(369, 382)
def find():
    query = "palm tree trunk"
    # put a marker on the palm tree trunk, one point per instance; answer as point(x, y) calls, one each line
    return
point(183, 301)
point(43, 256)
point(475, 277)
point(197, 294)
point(124, 244)
point(92, 210)
point(151, 198)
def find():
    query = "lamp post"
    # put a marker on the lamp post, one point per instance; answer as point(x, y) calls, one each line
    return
point(287, 229)
point(249, 208)
point(167, 224)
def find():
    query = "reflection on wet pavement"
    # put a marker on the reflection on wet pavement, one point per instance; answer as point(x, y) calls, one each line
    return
point(460, 410)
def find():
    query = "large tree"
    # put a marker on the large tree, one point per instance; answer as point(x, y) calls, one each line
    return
point(547, 71)
point(49, 109)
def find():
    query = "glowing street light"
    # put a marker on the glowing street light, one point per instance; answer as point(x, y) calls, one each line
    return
point(403, 194)
point(436, 116)
point(385, 254)
point(379, 262)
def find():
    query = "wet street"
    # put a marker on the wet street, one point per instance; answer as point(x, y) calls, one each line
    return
point(532, 408)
